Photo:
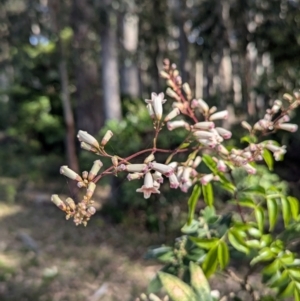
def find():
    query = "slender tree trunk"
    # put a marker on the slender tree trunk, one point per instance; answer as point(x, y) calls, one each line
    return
point(54, 6)
point(110, 70)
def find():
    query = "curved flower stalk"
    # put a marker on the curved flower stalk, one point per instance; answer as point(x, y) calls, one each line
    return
point(203, 134)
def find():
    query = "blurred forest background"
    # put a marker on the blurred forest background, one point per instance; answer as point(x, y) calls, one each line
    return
point(88, 64)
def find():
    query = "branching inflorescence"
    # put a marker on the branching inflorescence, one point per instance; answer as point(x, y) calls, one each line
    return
point(202, 134)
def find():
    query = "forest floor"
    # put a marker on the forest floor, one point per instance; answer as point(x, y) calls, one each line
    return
point(43, 257)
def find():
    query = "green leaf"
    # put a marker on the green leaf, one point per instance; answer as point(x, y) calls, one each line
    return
point(253, 243)
point(279, 279)
point(192, 202)
point(208, 194)
point(192, 228)
point(286, 290)
point(199, 282)
point(286, 211)
point(294, 204)
point(249, 139)
point(259, 215)
point(273, 212)
point(295, 273)
point(210, 262)
point(266, 240)
point(265, 255)
point(209, 162)
point(268, 157)
point(184, 145)
point(272, 268)
point(205, 243)
point(237, 241)
point(256, 189)
point(297, 295)
point(223, 254)
point(154, 285)
point(254, 232)
point(226, 184)
point(175, 288)
point(244, 202)
point(287, 258)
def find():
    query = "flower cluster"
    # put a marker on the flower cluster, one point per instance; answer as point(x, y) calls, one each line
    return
point(203, 135)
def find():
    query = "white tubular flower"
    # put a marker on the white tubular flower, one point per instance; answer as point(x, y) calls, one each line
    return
point(201, 104)
point(205, 125)
point(250, 169)
point(246, 126)
point(290, 127)
point(90, 190)
point(209, 143)
point(219, 115)
point(173, 164)
point(66, 171)
point(150, 111)
point(185, 186)
point(148, 186)
point(175, 112)
point(71, 203)
point(187, 90)
point(95, 169)
point(106, 137)
point(156, 184)
point(134, 176)
point(179, 173)
point(224, 133)
point(88, 147)
point(276, 106)
point(58, 202)
point(206, 179)
point(87, 138)
point(136, 167)
point(150, 158)
point(174, 183)
point(277, 151)
point(176, 124)
point(196, 162)
point(257, 126)
point(178, 105)
point(186, 174)
point(170, 92)
point(221, 166)
point(283, 119)
point(164, 74)
point(203, 135)
point(157, 101)
point(162, 168)
point(247, 155)
point(222, 149)
point(158, 177)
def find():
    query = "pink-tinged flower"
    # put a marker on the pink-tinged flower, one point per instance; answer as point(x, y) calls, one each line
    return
point(290, 127)
point(186, 174)
point(187, 90)
point(148, 186)
point(205, 125)
point(224, 133)
point(71, 174)
point(201, 104)
point(203, 134)
point(266, 124)
point(87, 138)
point(150, 158)
point(134, 176)
point(156, 184)
point(95, 169)
point(221, 166)
point(222, 149)
point(162, 168)
point(283, 119)
point(136, 167)
point(176, 124)
point(121, 167)
point(219, 115)
point(185, 186)
point(174, 183)
point(250, 169)
point(58, 202)
point(209, 143)
point(175, 112)
point(179, 172)
point(206, 179)
point(277, 151)
point(247, 155)
point(106, 137)
point(150, 111)
point(157, 101)
point(173, 164)
point(158, 177)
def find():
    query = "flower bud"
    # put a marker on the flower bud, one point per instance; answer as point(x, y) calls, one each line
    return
point(175, 112)
point(58, 202)
point(221, 166)
point(186, 88)
point(71, 203)
point(66, 171)
point(288, 97)
point(223, 150)
point(90, 190)
point(136, 167)
point(287, 127)
point(114, 161)
point(85, 174)
point(106, 137)
point(206, 179)
point(158, 177)
point(219, 115)
point(283, 119)
point(170, 92)
point(134, 176)
point(164, 74)
point(88, 147)
point(196, 162)
point(171, 125)
point(95, 169)
point(203, 134)
point(276, 106)
point(162, 168)
point(174, 183)
point(246, 126)
point(249, 168)
point(150, 158)
point(91, 210)
point(87, 138)
point(201, 104)
point(205, 125)
point(224, 133)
